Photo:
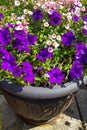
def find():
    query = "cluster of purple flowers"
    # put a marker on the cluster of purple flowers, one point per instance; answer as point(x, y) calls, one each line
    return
point(9, 63)
point(55, 17)
point(22, 42)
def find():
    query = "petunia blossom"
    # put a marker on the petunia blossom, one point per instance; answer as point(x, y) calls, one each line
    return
point(55, 75)
point(76, 71)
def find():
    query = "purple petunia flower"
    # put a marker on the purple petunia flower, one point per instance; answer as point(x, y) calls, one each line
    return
point(75, 18)
point(84, 31)
point(81, 48)
point(81, 53)
point(55, 76)
point(21, 45)
point(28, 70)
point(10, 25)
point(29, 77)
point(17, 71)
point(68, 38)
point(55, 18)
point(85, 18)
point(43, 54)
point(20, 34)
point(27, 67)
point(8, 61)
point(1, 16)
point(76, 71)
point(31, 39)
point(39, 69)
point(5, 37)
point(37, 14)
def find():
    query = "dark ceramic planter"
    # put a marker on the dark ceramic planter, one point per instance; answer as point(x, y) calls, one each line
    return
point(37, 105)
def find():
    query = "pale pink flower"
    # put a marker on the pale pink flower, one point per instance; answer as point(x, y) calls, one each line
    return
point(17, 3)
point(46, 24)
point(22, 17)
point(85, 27)
point(49, 43)
point(54, 35)
point(35, 7)
point(67, 2)
point(18, 22)
point(58, 37)
point(67, 26)
point(30, 12)
point(20, 27)
point(26, 29)
point(83, 8)
point(50, 49)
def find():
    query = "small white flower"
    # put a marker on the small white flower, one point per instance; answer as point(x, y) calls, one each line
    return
point(85, 22)
point(78, 4)
point(46, 24)
point(38, 4)
point(58, 37)
point(67, 26)
point(69, 17)
point(25, 11)
point(50, 49)
point(18, 18)
point(85, 27)
point(30, 12)
point(55, 44)
point(61, 7)
point(18, 22)
point(54, 36)
point(46, 75)
point(77, 13)
point(50, 11)
point(49, 43)
point(22, 17)
point(69, 14)
point(77, 9)
point(64, 14)
point(20, 27)
point(44, 6)
point(17, 3)
point(35, 7)
point(83, 8)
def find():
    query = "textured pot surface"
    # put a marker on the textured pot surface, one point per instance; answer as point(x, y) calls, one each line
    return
point(38, 111)
point(37, 104)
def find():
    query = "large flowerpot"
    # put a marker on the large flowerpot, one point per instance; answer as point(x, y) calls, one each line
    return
point(37, 105)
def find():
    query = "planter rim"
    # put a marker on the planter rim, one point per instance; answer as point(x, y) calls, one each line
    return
point(41, 92)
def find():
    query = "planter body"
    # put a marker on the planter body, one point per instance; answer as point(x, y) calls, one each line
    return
point(37, 105)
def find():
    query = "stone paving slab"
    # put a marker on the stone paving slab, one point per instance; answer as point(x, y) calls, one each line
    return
point(82, 104)
point(69, 120)
point(63, 122)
